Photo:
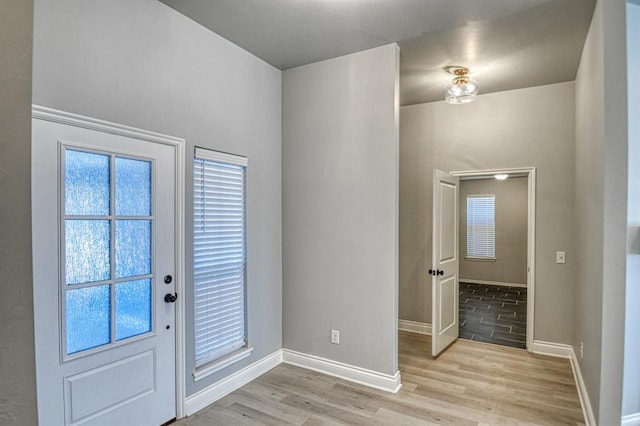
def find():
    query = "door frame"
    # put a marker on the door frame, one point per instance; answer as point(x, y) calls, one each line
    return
point(62, 117)
point(530, 172)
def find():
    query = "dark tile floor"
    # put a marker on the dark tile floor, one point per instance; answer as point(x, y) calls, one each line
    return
point(493, 314)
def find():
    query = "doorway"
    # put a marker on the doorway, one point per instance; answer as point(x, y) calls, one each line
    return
point(107, 271)
point(496, 252)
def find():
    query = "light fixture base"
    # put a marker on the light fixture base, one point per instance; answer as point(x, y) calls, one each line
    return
point(457, 70)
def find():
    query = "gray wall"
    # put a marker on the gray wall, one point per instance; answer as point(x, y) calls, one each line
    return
point(340, 208)
point(600, 209)
point(511, 231)
point(631, 396)
point(17, 356)
point(518, 128)
point(143, 64)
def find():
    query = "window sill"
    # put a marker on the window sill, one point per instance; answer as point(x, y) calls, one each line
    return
point(215, 366)
point(480, 259)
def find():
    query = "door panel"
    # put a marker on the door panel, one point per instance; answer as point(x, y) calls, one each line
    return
point(448, 297)
point(448, 234)
point(445, 262)
point(86, 396)
point(103, 240)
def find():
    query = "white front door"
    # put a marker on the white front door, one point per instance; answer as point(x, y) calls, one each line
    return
point(104, 208)
point(445, 261)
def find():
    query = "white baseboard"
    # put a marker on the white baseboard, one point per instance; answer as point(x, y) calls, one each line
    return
point(499, 283)
point(587, 410)
point(566, 351)
point(552, 349)
point(374, 379)
point(211, 394)
point(414, 327)
point(631, 420)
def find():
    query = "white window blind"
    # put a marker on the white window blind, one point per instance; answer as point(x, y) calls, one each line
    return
point(219, 254)
point(481, 226)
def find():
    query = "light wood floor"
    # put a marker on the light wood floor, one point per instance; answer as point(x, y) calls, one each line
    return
point(470, 384)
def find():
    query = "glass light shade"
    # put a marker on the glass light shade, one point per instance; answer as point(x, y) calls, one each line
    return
point(461, 90)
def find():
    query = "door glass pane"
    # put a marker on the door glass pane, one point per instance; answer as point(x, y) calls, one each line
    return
point(133, 308)
point(88, 318)
point(86, 185)
point(133, 187)
point(91, 255)
point(133, 248)
point(87, 245)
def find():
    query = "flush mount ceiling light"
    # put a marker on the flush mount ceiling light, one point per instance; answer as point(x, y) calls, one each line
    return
point(463, 89)
point(501, 176)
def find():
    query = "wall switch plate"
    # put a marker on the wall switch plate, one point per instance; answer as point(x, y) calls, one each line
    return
point(335, 337)
point(560, 257)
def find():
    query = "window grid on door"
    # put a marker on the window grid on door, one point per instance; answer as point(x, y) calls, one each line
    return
point(106, 263)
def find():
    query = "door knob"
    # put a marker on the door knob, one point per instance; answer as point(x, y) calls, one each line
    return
point(440, 272)
point(432, 272)
point(170, 298)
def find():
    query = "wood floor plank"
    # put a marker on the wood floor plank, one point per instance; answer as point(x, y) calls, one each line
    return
point(417, 411)
point(286, 413)
point(455, 409)
point(317, 421)
point(222, 416)
point(331, 396)
point(388, 417)
point(470, 384)
point(325, 410)
point(259, 416)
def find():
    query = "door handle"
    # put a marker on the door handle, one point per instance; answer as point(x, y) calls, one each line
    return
point(440, 272)
point(436, 272)
point(170, 298)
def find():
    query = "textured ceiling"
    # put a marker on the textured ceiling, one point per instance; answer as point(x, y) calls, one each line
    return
point(507, 44)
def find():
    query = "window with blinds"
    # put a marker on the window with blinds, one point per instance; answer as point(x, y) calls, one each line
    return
point(481, 226)
point(219, 254)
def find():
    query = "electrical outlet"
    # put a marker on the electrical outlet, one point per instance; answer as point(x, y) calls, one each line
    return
point(335, 337)
point(581, 350)
point(560, 257)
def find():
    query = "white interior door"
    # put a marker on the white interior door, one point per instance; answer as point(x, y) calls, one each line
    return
point(104, 259)
point(444, 271)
